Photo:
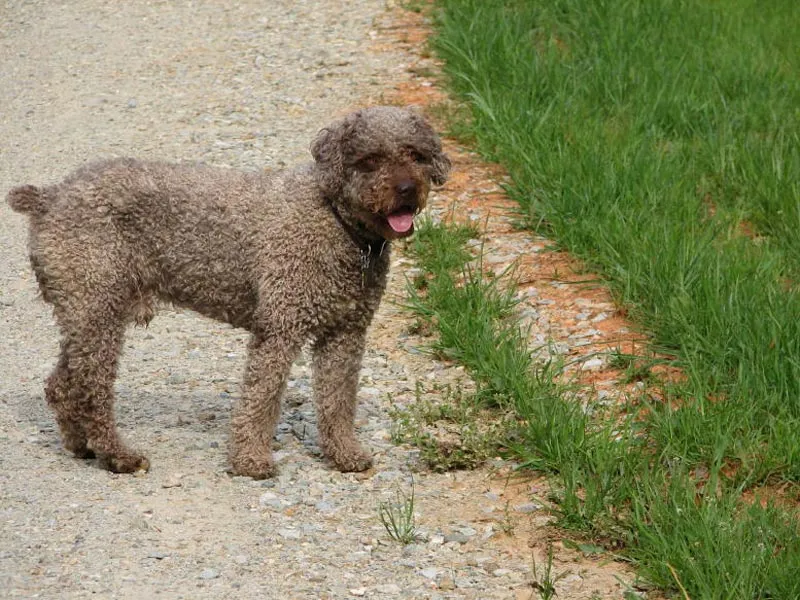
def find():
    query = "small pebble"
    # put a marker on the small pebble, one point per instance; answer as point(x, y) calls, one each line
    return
point(325, 507)
point(593, 364)
point(270, 500)
point(456, 537)
point(209, 574)
point(172, 481)
point(290, 534)
point(430, 572)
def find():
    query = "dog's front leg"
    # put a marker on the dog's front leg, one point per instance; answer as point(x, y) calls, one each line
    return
point(337, 362)
point(255, 416)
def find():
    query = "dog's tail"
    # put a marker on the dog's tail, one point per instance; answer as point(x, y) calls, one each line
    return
point(29, 199)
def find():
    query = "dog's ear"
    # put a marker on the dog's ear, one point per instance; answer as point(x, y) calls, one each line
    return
point(440, 162)
point(441, 167)
point(328, 152)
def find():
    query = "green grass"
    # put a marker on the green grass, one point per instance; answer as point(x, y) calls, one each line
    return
point(659, 141)
point(712, 543)
point(661, 144)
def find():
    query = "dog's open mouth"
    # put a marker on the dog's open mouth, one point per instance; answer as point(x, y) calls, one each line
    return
point(402, 220)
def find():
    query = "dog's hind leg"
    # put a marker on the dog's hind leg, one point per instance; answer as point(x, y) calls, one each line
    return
point(57, 393)
point(91, 355)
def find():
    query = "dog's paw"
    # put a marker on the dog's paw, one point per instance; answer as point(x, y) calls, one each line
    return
point(257, 467)
point(352, 460)
point(126, 463)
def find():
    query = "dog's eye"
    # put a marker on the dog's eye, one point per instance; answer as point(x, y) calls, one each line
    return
point(420, 158)
point(367, 164)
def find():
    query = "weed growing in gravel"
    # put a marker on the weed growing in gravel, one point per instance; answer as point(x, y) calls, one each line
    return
point(545, 583)
point(506, 524)
point(397, 516)
point(451, 429)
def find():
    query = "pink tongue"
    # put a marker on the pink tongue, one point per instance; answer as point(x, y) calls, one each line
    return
point(401, 221)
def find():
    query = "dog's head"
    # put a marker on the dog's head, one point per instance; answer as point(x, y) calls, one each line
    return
point(378, 164)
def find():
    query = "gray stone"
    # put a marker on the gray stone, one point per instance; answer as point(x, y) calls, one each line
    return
point(593, 364)
point(209, 574)
point(325, 507)
point(290, 534)
point(456, 537)
point(271, 500)
point(430, 572)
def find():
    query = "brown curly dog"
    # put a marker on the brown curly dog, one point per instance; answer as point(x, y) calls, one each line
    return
point(291, 256)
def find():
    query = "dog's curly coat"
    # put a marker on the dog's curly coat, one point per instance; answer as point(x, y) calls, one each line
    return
point(290, 256)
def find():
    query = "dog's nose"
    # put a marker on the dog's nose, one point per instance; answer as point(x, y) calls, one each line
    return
point(406, 189)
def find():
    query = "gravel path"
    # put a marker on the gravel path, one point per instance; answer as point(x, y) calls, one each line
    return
point(244, 85)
